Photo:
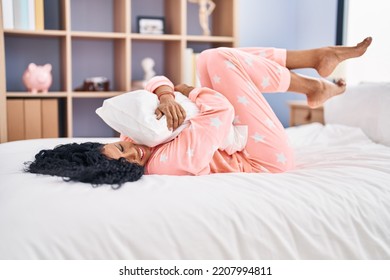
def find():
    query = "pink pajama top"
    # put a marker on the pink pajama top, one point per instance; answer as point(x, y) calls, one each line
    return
point(195, 150)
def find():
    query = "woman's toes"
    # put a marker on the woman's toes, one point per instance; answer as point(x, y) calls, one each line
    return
point(340, 82)
point(365, 43)
point(326, 91)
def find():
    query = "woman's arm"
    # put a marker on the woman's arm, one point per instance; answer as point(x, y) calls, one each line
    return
point(173, 111)
point(184, 89)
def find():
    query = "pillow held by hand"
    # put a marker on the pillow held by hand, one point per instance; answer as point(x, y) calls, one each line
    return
point(133, 114)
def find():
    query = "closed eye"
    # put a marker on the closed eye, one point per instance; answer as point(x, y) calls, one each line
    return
point(119, 147)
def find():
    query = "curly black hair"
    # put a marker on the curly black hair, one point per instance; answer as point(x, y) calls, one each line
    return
point(84, 163)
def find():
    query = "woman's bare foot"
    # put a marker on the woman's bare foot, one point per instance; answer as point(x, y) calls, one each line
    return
point(324, 91)
point(330, 57)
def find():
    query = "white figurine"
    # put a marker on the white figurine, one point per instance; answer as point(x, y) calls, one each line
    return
point(206, 8)
point(147, 65)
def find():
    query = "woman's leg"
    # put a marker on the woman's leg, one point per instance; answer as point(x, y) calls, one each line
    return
point(325, 59)
point(317, 91)
point(275, 54)
point(241, 77)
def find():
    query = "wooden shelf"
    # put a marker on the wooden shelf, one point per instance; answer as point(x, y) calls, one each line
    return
point(98, 35)
point(36, 95)
point(163, 37)
point(224, 39)
point(112, 49)
point(94, 94)
point(50, 33)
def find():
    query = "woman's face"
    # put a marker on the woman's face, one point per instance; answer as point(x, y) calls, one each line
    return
point(133, 153)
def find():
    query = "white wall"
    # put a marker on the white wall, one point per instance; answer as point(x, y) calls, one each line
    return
point(268, 23)
point(368, 18)
point(291, 24)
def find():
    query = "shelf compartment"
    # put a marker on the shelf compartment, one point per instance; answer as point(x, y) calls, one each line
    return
point(98, 15)
point(166, 54)
point(100, 58)
point(193, 24)
point(54, 19)
point(221, 21)
point(22, 50)
point(34, 118)
point(167, 9)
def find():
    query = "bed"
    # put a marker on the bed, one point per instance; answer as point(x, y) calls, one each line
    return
point(334, 205)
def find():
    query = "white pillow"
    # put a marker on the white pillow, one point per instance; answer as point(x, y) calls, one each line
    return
point(133, 114)
point(367, 106)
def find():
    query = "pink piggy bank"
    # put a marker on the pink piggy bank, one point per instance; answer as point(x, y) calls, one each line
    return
point(37, 78)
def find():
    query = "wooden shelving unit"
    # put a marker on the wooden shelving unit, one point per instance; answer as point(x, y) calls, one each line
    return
point(73, 33)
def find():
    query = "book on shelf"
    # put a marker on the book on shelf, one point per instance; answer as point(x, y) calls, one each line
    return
point(188, 66)
point(30, 118)
point(39, 15)
point(8, 14)
point(190, 73)
point(23, 14)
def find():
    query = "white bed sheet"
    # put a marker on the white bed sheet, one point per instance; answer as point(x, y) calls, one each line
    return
point(335, 205)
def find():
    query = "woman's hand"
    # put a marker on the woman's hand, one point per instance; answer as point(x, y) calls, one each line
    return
point(172, 110)
point(184, 89)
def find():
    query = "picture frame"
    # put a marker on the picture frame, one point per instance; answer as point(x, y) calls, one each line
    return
point(150, 25)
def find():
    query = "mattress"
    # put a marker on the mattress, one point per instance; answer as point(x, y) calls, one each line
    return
point(334, 205)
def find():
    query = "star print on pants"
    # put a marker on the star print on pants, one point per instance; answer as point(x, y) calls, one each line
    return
point(163, 158)
point(243, 100)
point(258, 138)
point(216, 122)
point(281, 158)
point(217, 79)
point(190, 152)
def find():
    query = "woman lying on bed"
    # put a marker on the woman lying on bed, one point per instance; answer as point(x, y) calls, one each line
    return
point(232, 84)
